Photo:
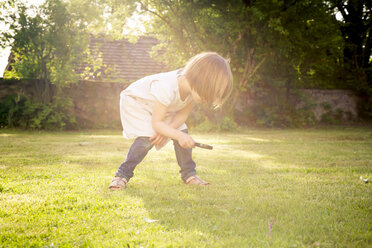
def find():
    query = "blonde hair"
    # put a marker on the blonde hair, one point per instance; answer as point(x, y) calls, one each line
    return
point(209, 74)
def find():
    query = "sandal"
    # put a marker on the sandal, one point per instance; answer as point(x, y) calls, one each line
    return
point(118, 183)
point(195, 180)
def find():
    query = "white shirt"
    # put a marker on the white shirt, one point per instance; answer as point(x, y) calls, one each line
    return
point(137, 102)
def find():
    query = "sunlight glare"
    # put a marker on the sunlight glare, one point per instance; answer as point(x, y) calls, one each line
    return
point(6, 135)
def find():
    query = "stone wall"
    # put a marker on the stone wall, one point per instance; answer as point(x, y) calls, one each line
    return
point(97, 103)
point(30, 88)
point(335, 102)
point(341, 104)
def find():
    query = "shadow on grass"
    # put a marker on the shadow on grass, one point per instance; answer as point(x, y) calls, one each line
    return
point(251, 189)
point(202, 213)
point(227, 212)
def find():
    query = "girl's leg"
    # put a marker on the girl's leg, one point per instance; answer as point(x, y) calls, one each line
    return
point(137, 152)
point(184, 159)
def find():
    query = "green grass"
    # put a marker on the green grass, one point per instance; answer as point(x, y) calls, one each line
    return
point(53, 191)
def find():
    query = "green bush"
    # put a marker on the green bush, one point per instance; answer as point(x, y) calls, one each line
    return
point(204, 120)
point(283, 108)
point(205, 126)
point(365, 106)
point(227, 124)
point(11, 111)
point(20, 112)
point(275, 110)
point(333, 116)
point(268, 111)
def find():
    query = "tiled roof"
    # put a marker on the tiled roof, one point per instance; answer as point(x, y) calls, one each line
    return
point(126, 61)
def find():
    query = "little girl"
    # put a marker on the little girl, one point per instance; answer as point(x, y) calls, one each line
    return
point(154, 109)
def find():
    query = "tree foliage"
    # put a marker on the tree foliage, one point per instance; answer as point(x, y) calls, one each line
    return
point(356, 28)
point(355, 70)
point(273, 45)
point(47, 44)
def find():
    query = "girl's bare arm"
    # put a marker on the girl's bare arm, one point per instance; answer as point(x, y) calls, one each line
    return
point(181, 116)
point(169, 130)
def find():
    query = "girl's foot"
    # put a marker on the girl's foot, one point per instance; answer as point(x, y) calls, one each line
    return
point(118, 183)
point(195, 180)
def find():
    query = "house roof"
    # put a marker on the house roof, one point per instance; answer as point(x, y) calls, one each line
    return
point(122, 60)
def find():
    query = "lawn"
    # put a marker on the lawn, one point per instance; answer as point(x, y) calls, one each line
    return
point(269, 188)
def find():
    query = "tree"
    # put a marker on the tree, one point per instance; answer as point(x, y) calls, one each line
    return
point(356, 64)
point(356, 28)
point(272, 44)
point(46, 45)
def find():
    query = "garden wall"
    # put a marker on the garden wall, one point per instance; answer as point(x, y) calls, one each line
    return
point(343, 103)
point(336, 104)
point(97, 103)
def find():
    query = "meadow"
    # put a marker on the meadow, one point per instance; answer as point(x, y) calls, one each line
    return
point(269, 188)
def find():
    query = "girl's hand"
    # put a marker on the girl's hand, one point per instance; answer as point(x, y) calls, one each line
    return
point(186, 141)
point(158, 140)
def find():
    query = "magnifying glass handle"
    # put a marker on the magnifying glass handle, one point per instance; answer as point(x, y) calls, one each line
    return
point(204, 146)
